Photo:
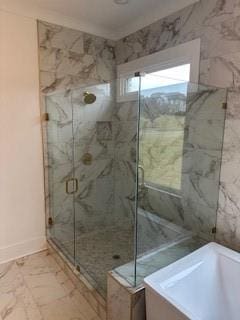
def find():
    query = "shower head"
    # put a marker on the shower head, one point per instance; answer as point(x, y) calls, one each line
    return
point(89, 98)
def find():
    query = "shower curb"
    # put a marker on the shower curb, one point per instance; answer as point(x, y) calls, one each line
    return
point(124, 302)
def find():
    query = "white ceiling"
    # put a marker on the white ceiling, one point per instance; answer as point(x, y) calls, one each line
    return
point(102, 17)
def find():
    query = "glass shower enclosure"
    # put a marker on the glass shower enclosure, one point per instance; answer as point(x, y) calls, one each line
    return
point(133, 183)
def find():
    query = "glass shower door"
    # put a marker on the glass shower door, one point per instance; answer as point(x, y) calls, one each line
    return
point(93, 166)
point(181, 127)
point(91, 179)
point(61, 181)
point(103, 240)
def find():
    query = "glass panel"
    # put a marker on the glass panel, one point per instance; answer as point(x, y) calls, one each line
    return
point(60, 170)
point(180, 147)
point(126, 159)
point(162, 125)
point(152, 164)
point(103, 218)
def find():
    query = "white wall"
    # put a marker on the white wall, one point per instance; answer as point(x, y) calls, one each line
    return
point(116, 22)
point(22, 218)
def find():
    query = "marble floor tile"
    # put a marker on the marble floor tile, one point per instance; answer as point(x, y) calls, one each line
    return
point(45, 288)
point(61, 309)
point(36, 288)
point(106, 242)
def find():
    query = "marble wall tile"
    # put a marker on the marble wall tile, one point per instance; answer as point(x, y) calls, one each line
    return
point(70, 58)
point(119, 301)
point(124, 302)
point(53, 83)
point(138, 305)
point(155, 232)
point(202, 132)
point(55, 36)
point(65, 69)
point(212, 70)
point(104, 50)
point(93, 138)
point(182, 211)
point(212, 21)
point(58, 145)
point(229, 202)
point(101, 110)
point(95, 198)
point(166, 205)
point(124, 191)
point(94, 202)
point(125, 131)
point(125, 135)
point(104, 130)
point(200, 219)
point(147, 40)
point(205, 163)
point(201, 190)
point(126, 111)
point(233, 109)
point(125, 151)
point(205, 103)
point(216, 23)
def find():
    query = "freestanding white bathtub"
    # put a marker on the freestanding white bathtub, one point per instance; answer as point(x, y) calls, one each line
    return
point(204, 285)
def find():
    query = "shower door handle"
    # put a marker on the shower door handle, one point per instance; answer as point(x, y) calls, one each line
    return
point(141, 169)
point(74, 182)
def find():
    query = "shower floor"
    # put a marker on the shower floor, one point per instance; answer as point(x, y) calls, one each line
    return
point(100, 251)
point(97, 251)
point(112, 247)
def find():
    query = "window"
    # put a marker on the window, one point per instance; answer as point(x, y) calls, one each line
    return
point(165, 63)
point(163, 107)
point(163, 95)
point(160, 78)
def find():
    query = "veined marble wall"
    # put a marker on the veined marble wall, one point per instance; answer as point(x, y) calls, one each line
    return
point(125, 134)
point(71, 58)
point(196, 148)
point(72, 62)
point(216, 23)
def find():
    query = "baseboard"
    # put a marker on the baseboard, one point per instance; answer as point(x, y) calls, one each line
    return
point(22, 249)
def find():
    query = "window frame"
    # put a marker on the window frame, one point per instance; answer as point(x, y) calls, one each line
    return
point(186, 53)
